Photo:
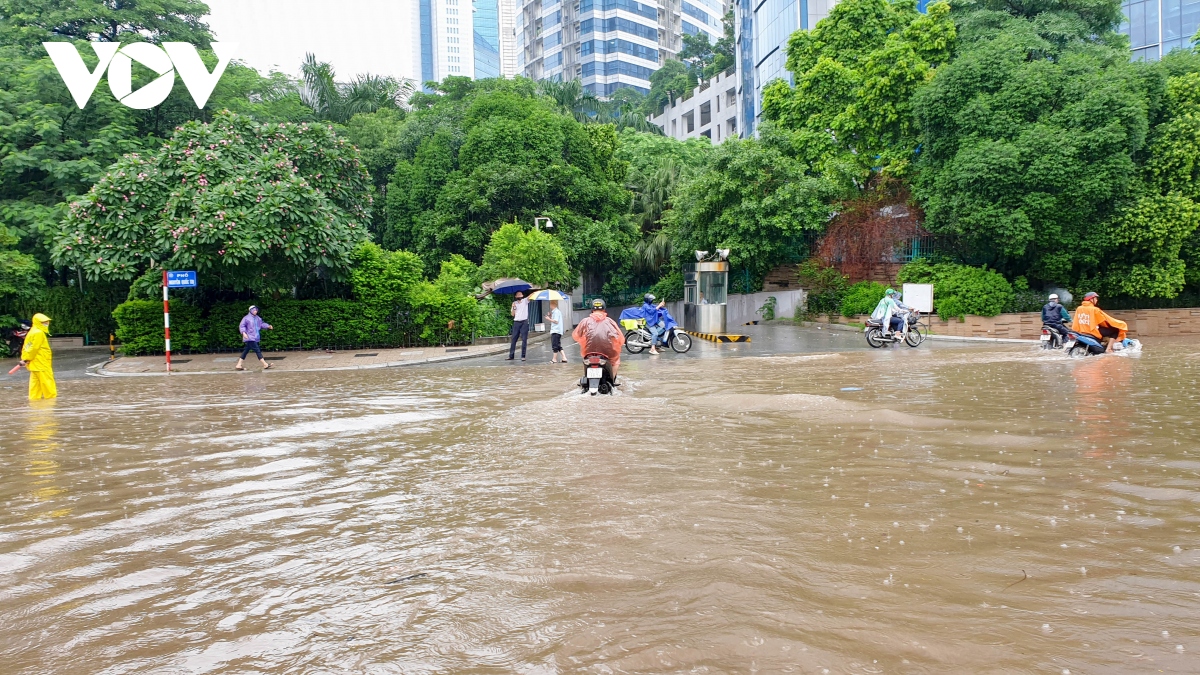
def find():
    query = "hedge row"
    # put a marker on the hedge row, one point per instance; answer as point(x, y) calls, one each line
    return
point(298, 324)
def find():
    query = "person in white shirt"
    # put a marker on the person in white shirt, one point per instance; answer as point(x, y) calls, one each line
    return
point(520, 315)
point(556, 332)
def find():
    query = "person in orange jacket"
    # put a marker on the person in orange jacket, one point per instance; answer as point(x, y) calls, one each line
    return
point(1090, 320)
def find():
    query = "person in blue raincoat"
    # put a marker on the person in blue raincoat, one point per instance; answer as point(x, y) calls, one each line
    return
point(656, 319)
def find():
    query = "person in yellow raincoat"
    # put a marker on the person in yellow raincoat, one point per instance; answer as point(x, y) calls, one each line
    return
point(35, 355)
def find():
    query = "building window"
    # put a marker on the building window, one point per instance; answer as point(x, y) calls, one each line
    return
point(689, 121)
point(705, 114)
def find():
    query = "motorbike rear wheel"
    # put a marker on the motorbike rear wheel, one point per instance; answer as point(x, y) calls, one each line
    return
point(681, 342)
point(875, 338)
point(636, 341)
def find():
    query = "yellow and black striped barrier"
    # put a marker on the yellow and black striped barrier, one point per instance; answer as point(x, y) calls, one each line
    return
point(720, 337)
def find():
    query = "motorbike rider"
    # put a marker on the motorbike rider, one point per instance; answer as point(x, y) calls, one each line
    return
point(598, 334)
point(1090, 320)
point(656, 320)
point(1054, 314)
point(888, 312)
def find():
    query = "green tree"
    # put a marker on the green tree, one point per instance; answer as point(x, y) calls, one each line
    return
point(673, 80)
point(31, 22)
point(490, 152)
point(1030, 142)
point(531, 255)
point(706, 58)
point(856, 72)
point(251, 206)
point(335, 101)
point(754, 198)
point(20, 278)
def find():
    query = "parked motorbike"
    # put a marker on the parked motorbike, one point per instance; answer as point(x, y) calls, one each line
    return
point(1051, 338)
point(912, 335)
point(16, 338)
point(597, 375)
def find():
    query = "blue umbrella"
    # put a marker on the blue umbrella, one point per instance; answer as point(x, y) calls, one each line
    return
point(510, 286)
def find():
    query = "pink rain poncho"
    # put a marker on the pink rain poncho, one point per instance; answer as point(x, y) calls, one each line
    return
point(598, 334)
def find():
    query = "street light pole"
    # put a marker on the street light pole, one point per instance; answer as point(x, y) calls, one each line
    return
point(537, 223)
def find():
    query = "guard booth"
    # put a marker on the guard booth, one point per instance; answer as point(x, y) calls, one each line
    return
point(705, 293)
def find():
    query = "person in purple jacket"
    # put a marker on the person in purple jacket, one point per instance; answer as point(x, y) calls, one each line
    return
point(251, 325)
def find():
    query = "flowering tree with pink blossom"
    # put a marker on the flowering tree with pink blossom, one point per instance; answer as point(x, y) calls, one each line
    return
point(250, 206)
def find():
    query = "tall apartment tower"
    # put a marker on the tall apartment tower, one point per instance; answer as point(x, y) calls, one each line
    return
point(1155, 27)
point(608, 44)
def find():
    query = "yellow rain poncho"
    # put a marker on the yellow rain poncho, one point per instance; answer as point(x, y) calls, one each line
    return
point(36, 355)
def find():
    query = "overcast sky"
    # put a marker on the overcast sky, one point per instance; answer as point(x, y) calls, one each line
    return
point(356, 36)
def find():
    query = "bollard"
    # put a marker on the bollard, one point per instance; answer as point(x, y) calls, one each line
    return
point(112, 348)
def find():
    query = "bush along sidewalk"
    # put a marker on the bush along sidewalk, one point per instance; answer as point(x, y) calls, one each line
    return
point(298, 324)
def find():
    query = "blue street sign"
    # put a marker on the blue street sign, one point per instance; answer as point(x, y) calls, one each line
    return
point(181, 279)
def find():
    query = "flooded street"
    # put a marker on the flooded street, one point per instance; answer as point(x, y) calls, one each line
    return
point(952, 508)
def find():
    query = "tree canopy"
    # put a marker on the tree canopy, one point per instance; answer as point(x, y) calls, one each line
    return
point(483, 154)
point(251, 205)
point(856, 73)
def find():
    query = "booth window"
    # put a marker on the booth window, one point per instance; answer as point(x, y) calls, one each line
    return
point(712, 288)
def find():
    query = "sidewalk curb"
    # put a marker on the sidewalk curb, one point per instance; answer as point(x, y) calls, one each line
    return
point(101, 369)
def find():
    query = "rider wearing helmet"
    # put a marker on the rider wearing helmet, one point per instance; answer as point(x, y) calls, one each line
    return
point(656, 320)
point(1090, 320)
point(1054, 314)
point(598, 334)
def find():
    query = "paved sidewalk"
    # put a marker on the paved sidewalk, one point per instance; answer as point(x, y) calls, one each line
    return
point(296, 361)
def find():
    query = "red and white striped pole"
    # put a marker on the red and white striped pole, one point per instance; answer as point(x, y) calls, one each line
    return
point(167, 320)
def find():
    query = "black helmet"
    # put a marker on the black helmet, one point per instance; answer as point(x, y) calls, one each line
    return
point(649, 297)
point(598, 304)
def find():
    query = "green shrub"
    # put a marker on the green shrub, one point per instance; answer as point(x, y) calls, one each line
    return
point(861, 298)
point(959, 290)
point(74, 312)
point(140, 327)
point(494, 319)
point(824, 285)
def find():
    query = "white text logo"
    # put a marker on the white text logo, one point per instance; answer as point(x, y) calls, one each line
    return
point(118, 60)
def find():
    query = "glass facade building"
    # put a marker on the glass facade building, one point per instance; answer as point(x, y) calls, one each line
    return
point(486, 26)
point(763, 29)
point(1155, 27)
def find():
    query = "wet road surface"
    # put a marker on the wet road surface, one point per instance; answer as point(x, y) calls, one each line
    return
point(953, 508)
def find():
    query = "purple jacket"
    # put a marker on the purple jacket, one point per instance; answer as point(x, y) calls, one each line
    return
point(251, 325)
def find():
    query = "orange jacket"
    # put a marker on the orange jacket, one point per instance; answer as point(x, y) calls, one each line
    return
point(1089, 318)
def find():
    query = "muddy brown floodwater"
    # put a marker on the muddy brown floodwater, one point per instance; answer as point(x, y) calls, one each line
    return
point(941, 510)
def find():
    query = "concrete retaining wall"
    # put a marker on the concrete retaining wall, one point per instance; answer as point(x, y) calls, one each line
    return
point(1143, 323)
point(742, 309)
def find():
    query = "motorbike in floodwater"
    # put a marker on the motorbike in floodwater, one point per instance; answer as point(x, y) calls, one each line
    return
point(1051, 338)
point(597, 375)
point(637, 335)
point(1086, 345)
point(912, 335)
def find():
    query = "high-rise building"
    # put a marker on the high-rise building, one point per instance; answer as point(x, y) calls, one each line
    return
point(608, 44)
point(447, 39)
point(466, 38)
point(763, 28)
point(1155, 27)
point(508, 38)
